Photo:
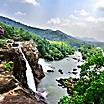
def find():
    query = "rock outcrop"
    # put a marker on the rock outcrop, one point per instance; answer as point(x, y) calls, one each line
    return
point(32, 55)
point(13, 84)
point(19, 65)
point(67, 83)
point(12, 92)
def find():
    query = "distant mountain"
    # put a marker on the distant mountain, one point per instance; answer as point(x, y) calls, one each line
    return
point(88, 39)
point(49, 34)
point(45, 33)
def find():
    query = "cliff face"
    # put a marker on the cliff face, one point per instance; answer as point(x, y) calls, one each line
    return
point(12, 92)
point(32, 55)
point(13, 84)
point(19, 65)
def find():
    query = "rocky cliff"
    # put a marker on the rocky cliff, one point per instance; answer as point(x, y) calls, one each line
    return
point(13, 83)
point(12, 92)
point(32, 55)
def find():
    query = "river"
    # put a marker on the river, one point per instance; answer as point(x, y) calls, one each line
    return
point(49, 84)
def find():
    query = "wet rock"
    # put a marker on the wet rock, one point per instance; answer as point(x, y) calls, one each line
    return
point(50, 70)
point(59, 85)
point(49, 58)
point(78, 66)
point(61, 72)
point(37, 73)
point(78, 60)
point(69, 91)
point(74, 69)
point(75, 80)
point(74, 58)
point(69, 72)
point(61, 82)
point(9, 41)
point(75, 73)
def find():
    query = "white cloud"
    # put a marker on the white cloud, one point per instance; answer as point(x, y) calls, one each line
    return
point(82, 12)
point(91, 19)
point(101, 19)
point(33, 2)
point(80, 22)
point(54, 21)
point(65, 22)
point(95, 19)
point(19, 13)
point(73, 17)
point(100, 5)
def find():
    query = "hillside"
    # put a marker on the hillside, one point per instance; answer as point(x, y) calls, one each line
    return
point(52, 35)
point(44, 33)
point(50, 50)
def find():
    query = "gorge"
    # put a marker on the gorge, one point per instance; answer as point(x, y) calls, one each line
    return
point(47, 89)
point(35, 70)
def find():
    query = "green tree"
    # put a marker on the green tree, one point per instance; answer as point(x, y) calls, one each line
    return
point(89, 88)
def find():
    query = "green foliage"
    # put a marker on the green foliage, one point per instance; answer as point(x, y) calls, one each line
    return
point(88, 50)
point(50, 50)
point(64, 100)
point(76, 99)
point(53, 50)
point(8, 65)
point(89, 89)
point(2, 43)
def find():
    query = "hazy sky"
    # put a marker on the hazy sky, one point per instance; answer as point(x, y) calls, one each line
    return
point(83, 18)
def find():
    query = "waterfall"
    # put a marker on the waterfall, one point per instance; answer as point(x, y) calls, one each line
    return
point(29, 74)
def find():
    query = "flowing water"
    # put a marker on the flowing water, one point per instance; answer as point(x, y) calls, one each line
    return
point(49, 84)
point(29, 74)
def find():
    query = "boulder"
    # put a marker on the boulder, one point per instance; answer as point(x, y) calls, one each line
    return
point(12, 92)
point(50, 70)
point(74, 72)
point(74, 69)
point(60, 70)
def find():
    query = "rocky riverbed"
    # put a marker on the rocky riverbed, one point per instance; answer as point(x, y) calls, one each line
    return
point(60, 76)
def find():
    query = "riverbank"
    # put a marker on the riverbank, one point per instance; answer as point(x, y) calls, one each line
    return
point(49, 83)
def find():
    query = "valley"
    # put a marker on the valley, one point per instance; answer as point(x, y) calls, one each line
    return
point(51, 67)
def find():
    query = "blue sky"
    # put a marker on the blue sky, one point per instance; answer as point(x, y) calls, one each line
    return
point(82, 18)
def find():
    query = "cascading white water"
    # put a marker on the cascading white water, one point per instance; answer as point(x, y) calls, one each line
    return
point(29, 74)
point(44, 65)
